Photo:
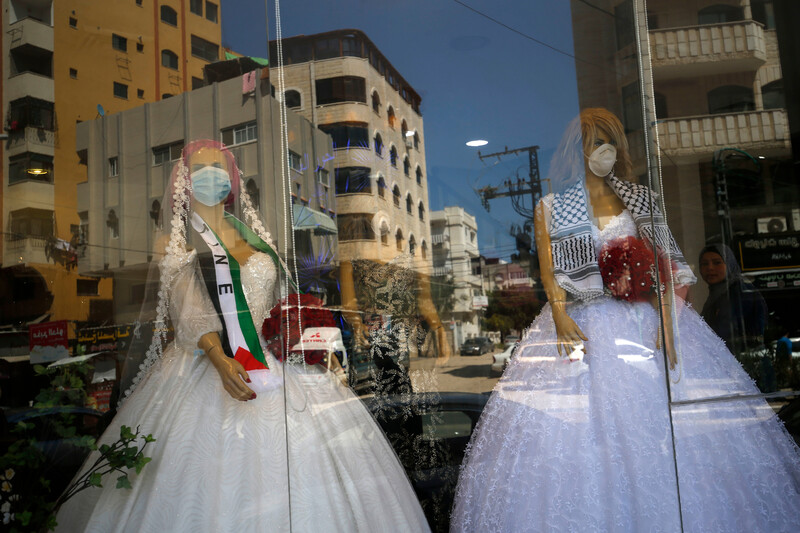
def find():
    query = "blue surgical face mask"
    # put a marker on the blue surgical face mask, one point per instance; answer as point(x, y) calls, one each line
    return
point(210, 185)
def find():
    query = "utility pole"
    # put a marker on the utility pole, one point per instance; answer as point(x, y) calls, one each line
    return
point(517, 189)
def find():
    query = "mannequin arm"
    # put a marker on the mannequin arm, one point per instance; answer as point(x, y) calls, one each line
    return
point(428, 311)
point(350, 303)
point(567, 331)
point(230, 370)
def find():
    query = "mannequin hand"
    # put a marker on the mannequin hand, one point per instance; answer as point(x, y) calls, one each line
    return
point(670, 351)
point(568, 333)
point(233, 376)
point(443, 347)
point(360, 332)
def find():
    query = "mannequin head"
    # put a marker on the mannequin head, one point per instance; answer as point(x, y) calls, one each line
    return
point(215, 163)
point(600, 126)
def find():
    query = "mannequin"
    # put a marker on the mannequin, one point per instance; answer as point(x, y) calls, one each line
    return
point(606, 438)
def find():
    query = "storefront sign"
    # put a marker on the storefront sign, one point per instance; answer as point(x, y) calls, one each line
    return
point(770, 252)
point(776, 280)
point(48, 342)
point(479, 302)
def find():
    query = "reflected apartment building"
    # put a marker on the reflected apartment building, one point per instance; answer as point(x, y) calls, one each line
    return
point(454, 234)
point(142, 145)
point(713, 94)
point(345, 86)
point(64, 63)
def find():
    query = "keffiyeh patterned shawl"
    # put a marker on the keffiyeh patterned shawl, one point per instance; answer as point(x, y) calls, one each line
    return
point(574, 256)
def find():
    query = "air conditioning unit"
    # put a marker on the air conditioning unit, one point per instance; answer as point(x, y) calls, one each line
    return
point(772, 225)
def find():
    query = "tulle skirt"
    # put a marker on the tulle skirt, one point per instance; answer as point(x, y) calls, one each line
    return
point(588, 445)
point(304, 453)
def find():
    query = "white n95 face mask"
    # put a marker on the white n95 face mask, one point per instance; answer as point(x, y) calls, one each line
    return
point(602, 160)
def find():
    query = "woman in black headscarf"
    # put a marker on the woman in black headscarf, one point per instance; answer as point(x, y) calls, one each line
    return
point(735, 310)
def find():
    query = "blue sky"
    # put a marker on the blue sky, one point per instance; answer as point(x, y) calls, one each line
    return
point(476, 78)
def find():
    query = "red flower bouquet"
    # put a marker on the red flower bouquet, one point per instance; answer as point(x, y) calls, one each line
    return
point(292, 313)
point(628, 269)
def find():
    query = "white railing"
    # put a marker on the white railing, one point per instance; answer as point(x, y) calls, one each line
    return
point(709, 42)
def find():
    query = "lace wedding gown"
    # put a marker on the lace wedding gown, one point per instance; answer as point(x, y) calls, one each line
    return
point(587, 446)
point(304, 454)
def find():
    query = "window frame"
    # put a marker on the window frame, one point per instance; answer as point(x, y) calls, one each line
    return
point(119, 89)
point(119, 43)
point(168, 15)
point(246, 132)
point(171, 58)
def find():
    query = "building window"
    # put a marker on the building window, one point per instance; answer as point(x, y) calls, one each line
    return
point(351, 46)
point(87, 287)
point(419, 176)
point(416, 140)
point(212, 12)
point(385, 234)
point(73, 22)
point(764, 12)
point(167, 152)
point(140, 93)
point(424, 250)
point(404, 130)
point(406, 166)
point(356, 227)
point(155, 215)
point(112, 222)
point(341, 89)
point(31, 222)
point(169, 16)
point(113, 166)
point(376, 102)
point(353, 180)
point(240, 134)
point(30, 167)
point(253, 193)
point(292, 99)
point(119, 43)
point(624, 24)
point(730, 99)
point(31, 59)
point(326, 48)
point(390, 117)
point(393, 156)
point(196, 7)
point(398, 239)
point(140, 47)
point(204, 49)
point(73, 73)
point(421, 209)
point(120, 90)
point(348, 134)
point(719, 13)
point(409, 203)
point(139, 3)
point(295, 162)
point(382, 187)
point(30, 112)
point(661, 105)
point(169, 59)
point(396, 196)
point(378, 145)
point(323, 177)
point(773, 95)
point(412, 246)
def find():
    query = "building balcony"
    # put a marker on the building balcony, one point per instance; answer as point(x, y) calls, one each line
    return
point(696, 137)
point(442, 271)
point(23, 249)
point(30, 84)
point(707, 50)
point(30, 32)
point(31, 139)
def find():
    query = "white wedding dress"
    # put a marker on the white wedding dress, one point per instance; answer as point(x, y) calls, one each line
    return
point(587, 445)
point(304, 454)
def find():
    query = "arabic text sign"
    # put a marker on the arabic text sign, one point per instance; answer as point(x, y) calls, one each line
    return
point(48, 342)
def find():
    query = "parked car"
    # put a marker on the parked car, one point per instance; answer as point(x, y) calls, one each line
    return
point(511, 340)
point(440, 424)
point(500, 361)
point(477, 346)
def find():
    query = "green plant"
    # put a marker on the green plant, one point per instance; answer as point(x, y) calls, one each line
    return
point(27, 499)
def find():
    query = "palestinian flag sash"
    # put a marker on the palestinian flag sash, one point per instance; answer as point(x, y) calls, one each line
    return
point(240, 330)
